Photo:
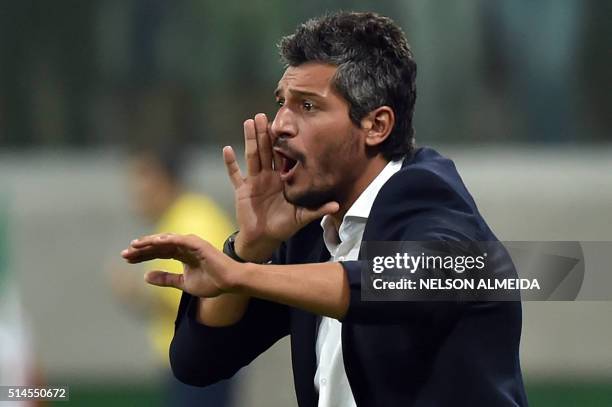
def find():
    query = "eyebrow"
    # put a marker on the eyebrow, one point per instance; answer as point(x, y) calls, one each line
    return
point(299, 93)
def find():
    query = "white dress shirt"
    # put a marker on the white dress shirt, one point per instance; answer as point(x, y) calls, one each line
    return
point(330, 378)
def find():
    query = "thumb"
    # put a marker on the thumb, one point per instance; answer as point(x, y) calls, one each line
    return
point(308, 215)
point(164, 279)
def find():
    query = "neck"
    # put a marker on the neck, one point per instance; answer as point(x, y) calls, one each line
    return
point(371, 171)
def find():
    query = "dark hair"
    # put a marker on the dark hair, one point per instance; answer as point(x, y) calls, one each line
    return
point(375, 67)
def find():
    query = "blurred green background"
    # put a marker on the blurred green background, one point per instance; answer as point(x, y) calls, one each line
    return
point(517, 92)
point(83, 74)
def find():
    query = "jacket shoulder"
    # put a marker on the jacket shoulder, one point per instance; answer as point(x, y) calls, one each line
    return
point(425, 198)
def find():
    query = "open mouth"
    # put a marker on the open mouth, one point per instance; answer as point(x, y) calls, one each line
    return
point(288, 165)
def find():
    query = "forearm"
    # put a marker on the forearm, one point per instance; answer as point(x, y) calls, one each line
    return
point(228, 309)
point(320, 288)
point(224, 310)
point(201, 355)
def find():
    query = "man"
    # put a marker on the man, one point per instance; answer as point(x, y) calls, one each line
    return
point(340, 148)
point(160, 197)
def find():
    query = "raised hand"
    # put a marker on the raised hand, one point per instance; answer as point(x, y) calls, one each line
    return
point(206, 271)
point(265, 218)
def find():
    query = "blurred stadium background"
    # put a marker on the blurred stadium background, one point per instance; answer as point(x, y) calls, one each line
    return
point(518, 92)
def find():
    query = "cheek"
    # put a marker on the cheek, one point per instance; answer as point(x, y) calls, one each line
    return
point(334, 160)
point(331, 148)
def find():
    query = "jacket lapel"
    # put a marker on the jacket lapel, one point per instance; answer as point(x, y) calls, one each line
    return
point(304, 326)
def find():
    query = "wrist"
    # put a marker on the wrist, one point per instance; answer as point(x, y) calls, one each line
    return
point(256, 251)
point(229, 248)
point(235, 281)
point(244, 275)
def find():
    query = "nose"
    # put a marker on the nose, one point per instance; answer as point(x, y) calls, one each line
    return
point(284, 125)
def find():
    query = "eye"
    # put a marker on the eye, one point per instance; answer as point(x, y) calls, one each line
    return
point(308, 106)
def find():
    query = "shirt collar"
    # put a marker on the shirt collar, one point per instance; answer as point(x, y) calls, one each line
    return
point(362, 206)
point(360, 210)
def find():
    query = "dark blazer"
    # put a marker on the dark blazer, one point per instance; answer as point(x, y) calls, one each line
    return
point(428, 353)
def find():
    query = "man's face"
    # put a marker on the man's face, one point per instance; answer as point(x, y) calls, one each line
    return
point(320, 148)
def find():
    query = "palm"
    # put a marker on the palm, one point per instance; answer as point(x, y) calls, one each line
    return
point(197, 278)
point(262, 208)
point(198, 282)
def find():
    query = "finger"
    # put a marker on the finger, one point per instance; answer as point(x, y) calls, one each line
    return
point(164, 279)
point(130, 252)
point(134, 256)
point(263, 141)
point(233, 169)
point(278, 162)
point(251, 152)
point(190, 242)
point(185, 248)
point(306, 215)
point(149, 239)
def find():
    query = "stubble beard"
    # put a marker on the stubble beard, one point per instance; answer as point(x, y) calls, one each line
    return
point(311, 199)
point(316, 196)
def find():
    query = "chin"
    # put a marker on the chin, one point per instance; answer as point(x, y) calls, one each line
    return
point(311, 199)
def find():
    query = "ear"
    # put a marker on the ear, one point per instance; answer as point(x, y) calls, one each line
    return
point(378, 125)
